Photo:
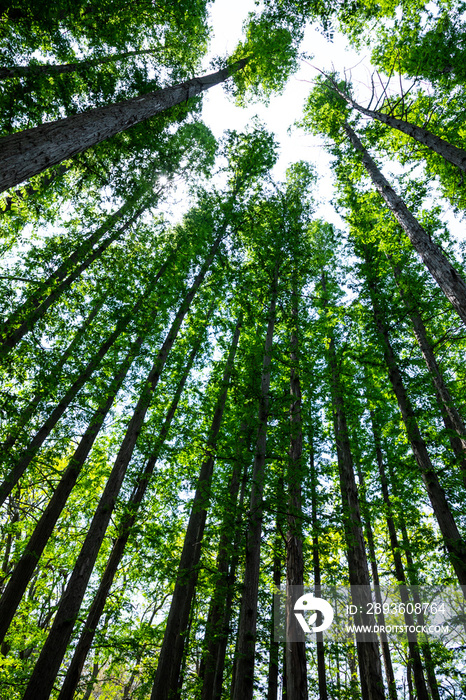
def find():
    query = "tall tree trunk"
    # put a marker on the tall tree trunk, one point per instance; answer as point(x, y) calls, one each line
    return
point(38, 440)
point(414, 662)
point(26, 565)
point(448, 279)
point(452, 420)
point(48, 664)
point(413, 580)
point(321, 668)
point(451, 536)
point(34, 308)
point(29, 152)
point(216, 631)
point(54, 69)
point(274, 647)
point(296, 670)
point(386, 655)
point(370, 669)
point(452, 154)
point(243, 679)
point(97, 607)
point(46, 385)
point(171, 654)
point(6, 204)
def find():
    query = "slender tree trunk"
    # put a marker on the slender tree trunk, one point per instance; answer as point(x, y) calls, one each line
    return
point(97, 607)
point(274, 647)
point(296, 669)
point(452, 154)
point(386, 655)
point(171, 654)
point(38, 440)
point(26, 565)
point(321, 668)
point(370, 669)
point(243, 679)
point(53, 69)
point(48, 664)
point(451, 536)
point(452, 420)
point(415, 663)
point(414, 583)
point(448, 279)
point(215, 630)
point(47, 384)
point(29, 152)
point(34, 308)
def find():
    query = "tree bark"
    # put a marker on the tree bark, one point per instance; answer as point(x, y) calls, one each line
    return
point(29, 152)
point(451, 536)
point(97, 607)
point(296, 670)
point(53, 69)
point(26, 565)
point(243, 678)
point(443, 272)
point(166, 681)
point(48, 664)
point(453, 154)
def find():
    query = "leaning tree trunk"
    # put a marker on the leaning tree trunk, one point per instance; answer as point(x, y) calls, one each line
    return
point(50, 69)
point(6, 204)
point(47, 666)
point(26, 565)
point(370, 668)
point(29, 152)
point(452, 420)
point(23, 319)
point(451, 536)
point(295, 647)
point(243, 678)
point(448, 279)
point(48, 382)
point(97, 607)
point(452, 154)
point(171, 654)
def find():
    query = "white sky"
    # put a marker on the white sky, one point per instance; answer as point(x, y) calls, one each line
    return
point(219, 112)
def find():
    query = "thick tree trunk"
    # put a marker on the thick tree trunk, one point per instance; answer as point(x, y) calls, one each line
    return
point(452, 154)
point(97, 607)
point(448, 279)
point(171, 654)
point(34, 308)
point(53, 69)
point(26, 565)
point(6, 204)
point(452, 420)
point(48, 664)
point(451, 536)
point(49, 382)
point(243, 679)
point(370, 669)
point(29, 152)
point(296, 669)
point(415, 663)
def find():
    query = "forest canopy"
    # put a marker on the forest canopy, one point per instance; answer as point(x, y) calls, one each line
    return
point(218, 407)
